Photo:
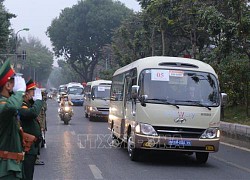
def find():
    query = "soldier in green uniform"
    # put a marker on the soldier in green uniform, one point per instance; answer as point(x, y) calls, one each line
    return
point(43, 125)
point(29, 112)
point(42, 117)
point(11, 150)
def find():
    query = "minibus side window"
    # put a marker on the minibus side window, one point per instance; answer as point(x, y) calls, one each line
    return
point(117, 88)
point(131, 81)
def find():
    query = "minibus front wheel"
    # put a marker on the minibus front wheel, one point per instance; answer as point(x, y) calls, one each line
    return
point(132, 151)
point(202, 157)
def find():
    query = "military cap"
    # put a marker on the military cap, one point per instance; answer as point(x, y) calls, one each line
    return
point(6, 73)
point(30, 85)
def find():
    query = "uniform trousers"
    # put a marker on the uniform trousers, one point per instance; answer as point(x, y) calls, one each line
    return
point(10, 177)
point(29, 166)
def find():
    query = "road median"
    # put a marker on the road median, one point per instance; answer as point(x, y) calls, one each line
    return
point(235, 134)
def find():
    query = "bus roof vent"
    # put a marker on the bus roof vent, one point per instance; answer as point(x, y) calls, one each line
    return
point(177, 64)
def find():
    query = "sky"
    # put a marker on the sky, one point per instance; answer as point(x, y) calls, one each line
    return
point(38, 14)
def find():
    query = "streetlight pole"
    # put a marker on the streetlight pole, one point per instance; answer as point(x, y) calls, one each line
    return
point(16, 43)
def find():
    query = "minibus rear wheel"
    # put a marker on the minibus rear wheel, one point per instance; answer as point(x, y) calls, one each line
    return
point(202, 157)
point(132, 151)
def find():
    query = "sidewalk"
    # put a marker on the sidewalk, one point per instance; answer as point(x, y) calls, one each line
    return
point(235, 134)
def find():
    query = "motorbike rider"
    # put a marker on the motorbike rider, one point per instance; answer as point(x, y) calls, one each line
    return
point(64, 101)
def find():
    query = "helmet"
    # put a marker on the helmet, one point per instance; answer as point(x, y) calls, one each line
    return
point(64, 94)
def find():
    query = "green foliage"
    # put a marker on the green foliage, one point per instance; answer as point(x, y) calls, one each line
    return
point(107, 74)
point(217, 32)
point(144, 3)
point(4, 29)
point(129, 41)
point(236, 114)
point(62, 75)
point(95, 34)
point(234, 76)
point(39, 60)
point(56, 78)
point(80, 33)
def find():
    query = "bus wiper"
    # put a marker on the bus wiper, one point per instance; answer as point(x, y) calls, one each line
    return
point(199, 104)
point(165, 101)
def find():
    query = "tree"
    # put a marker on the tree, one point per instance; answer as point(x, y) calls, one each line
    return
point(39, 60)
point(161, 13)
point(4, 29)
point(80, 33)
point(217, 32)
point(227, 24)
point(130, 41)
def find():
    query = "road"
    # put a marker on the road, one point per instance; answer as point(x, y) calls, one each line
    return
point(81, 151)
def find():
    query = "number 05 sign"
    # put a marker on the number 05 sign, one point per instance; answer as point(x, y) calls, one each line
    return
point(159, 75)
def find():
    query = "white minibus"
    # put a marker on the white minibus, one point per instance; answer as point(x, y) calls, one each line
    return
point(166, 103)
point(75, 93)
point(97, 98)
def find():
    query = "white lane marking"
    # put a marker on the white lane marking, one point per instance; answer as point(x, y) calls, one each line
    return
point(234, 146)
point(96, 171)
point(232, 164)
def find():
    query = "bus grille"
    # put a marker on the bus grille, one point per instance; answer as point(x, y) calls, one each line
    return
point(102, 109)
point(179, 132)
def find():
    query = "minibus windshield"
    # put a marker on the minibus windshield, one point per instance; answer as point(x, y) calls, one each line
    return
point(62, 89)
point(180, 87)
point(101, 92)
point(75, 90)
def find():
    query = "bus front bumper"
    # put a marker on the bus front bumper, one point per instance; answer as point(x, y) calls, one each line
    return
point(100, 114)
point(176, 143)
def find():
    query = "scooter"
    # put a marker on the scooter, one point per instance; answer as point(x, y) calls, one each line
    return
point(66, 113)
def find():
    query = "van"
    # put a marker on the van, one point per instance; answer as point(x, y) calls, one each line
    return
point(166, 103)
point(62, 89)
point(97, 98)
point(75, 93)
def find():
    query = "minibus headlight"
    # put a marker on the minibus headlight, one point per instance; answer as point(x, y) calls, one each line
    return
point(138, 128)
point(211, 133)
point(147, 129)
point(93, 108)
point(66, 108)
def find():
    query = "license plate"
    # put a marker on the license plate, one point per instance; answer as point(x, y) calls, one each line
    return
point(177, 142)
point(105, 113)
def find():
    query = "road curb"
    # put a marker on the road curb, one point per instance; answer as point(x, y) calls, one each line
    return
point(235, 134)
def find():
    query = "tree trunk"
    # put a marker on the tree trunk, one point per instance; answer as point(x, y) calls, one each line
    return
point(248, 92)
point(163, 42)
point(193, 36)
point(153, 41)
point(194, 44)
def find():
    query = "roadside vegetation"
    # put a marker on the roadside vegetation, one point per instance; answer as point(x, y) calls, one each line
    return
point(236, 114)
point(94, 38)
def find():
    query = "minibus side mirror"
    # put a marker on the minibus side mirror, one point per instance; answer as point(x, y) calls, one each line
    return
point(134, 92)
point(223, 99)
point(143, 100)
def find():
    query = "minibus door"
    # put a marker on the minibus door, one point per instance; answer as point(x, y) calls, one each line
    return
point(127, 82)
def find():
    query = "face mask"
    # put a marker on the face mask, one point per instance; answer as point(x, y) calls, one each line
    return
point(11, 93)
point(31, 101)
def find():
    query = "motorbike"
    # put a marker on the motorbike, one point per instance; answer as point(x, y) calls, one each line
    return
point(66, 113)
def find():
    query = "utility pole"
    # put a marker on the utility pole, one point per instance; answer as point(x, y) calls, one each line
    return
point(16, 44)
